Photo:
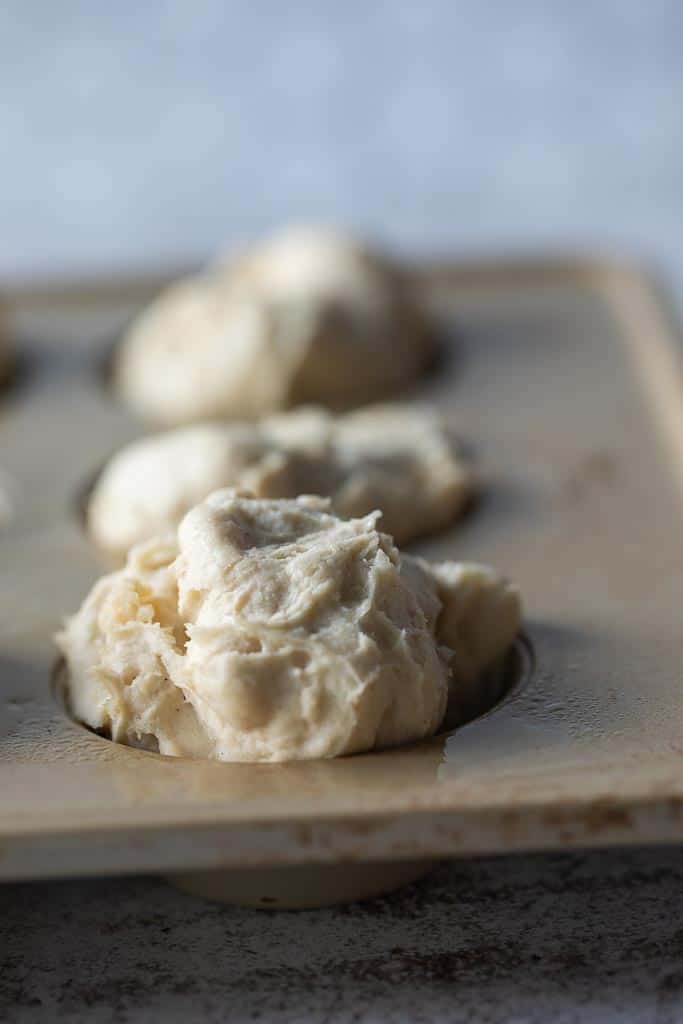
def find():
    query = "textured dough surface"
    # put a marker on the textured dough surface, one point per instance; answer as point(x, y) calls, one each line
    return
point(398, 459)
point(308, 316)
point(270, 630)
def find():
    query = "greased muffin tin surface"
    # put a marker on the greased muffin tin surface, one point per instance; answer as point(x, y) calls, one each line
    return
point(564, 380)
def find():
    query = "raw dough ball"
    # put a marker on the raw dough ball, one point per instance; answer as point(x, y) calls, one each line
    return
point(479, 619)
point(402, 461)
point(397, 459)
point(480, 614)
point(271, 631)
point(148, 486)
point(309, 316)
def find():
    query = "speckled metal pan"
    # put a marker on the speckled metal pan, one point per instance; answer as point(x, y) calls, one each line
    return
point(564, 380)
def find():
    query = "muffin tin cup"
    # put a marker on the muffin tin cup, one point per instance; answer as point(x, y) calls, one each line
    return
point(567, 385)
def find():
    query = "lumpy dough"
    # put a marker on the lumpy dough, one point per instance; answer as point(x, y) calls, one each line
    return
point(271, 630)
point(308, 316)
point(400, 460)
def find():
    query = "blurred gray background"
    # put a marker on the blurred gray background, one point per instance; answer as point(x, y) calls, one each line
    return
point(136, 134)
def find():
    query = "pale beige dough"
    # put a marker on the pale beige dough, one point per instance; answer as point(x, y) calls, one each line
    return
point(272, 630)
point(398, 459)
point(308, 316)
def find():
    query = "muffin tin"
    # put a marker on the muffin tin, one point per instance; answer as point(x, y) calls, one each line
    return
point(564, 379)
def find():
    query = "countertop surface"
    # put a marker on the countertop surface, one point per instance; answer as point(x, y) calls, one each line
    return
point(534, 940)
point(139, 136)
